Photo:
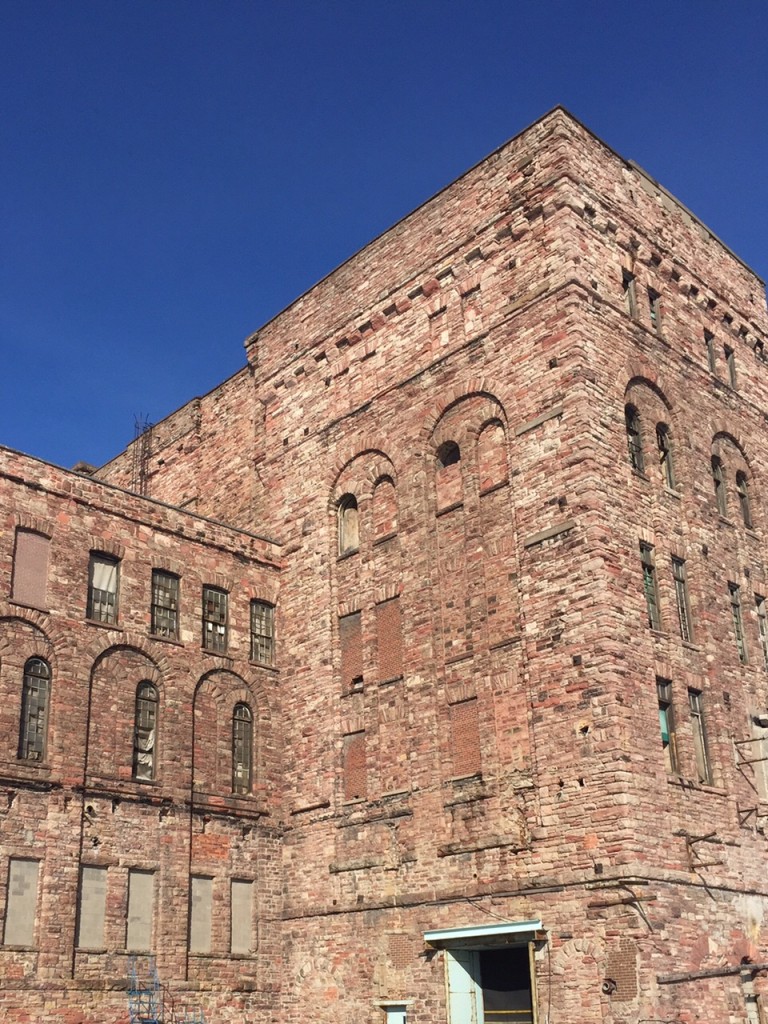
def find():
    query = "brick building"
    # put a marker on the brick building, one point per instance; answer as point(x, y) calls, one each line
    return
point(420, 668)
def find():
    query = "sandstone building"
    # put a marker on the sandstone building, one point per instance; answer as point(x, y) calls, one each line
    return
point(418, 671)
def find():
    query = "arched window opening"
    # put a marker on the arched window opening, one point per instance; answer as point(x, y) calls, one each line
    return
point(634, 438)
point(242, 744)
point(718, 478)
point(742, 489)
point(34, 710)
point(664, 447)
point(448, 454)
point(349, 525)
point(145, 733)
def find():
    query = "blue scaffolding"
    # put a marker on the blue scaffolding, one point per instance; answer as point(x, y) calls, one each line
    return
point(150, 1003)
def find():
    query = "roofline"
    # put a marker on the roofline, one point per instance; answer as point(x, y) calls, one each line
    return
point(558, 108)
point(134, 495)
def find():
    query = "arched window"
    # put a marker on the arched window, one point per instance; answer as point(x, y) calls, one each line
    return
point(448, 454)
point(242, 745)
point(634, 438)
point(664, 447)
point(349, 526)
point(742, 489)
point(145, 732)
point(34, 710)
point(718, 478)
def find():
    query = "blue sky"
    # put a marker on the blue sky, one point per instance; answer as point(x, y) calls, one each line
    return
point(175, 172)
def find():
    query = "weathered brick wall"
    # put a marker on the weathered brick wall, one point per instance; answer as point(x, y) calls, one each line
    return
point(80, 805)
point(466, 704)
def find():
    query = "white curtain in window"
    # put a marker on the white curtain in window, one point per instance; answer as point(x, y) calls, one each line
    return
point(105, 576)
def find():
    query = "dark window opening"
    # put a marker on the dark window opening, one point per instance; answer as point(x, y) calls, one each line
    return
point(34, 710)
point(505, 981)
point(742, 489)
point(448, 454)
point(664, 446)
point(718, 478)
point(650, 587)
point(634, 438)
point(667, 723)
point(734, 591)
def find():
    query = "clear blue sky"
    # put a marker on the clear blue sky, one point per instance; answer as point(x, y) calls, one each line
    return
point(175, 173)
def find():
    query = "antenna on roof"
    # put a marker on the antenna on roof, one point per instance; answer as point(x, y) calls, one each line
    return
point(142, 452)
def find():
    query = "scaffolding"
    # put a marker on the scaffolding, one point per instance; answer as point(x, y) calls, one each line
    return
point(149, 1002)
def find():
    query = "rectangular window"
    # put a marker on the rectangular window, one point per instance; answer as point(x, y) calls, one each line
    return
point(389, 639)
point(667, 723)
point(681, 594)
point(165, 604)
point(738, 626)
point(355, 767)
point(102, 588)
point(762, 627)
point(200, 904)
point(629, 287)
point(709, 342)
point(241, 921)
point(654, 308)
point(650, 587)
point(215, 619)
point(21, 902)
point(141, 896)
point(91, 910)
point(699, 736)
point(465, 738)
point(730, 362)
point(351, 644)
point(262, 633)
point(30, 568)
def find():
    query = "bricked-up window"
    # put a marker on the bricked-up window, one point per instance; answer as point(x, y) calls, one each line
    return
point(355, 768)
point(703, 770)
point(389, 639)
point(664, 447)
point(681, 596)
point(384, 508)
point(145, 732)
point(241, 917)
point(709, 344)
point(262, 633)
point(215, 607)
point(351, 646)
point(21, 902)
point(35, 698)
point(667, 723)
point(102, 588)
point(634, 438)
point(30, 568)
point(448, 482)
point(654, 308)
point(650, 586)
point(762, 627)
point(730, 363)
point(718, 479)
point(92, 906)
point(242, 748)
point(742, 489)
point(465, 738)
point(734, 590)
point(165, 604)
point(200, 909)
point(349, 525)
point(629, 287)
point(141, 896)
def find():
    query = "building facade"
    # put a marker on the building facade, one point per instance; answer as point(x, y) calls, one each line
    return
point(419, 671)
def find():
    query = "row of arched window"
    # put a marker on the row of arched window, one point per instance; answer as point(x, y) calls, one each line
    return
point(636, 452)
point(36, 692)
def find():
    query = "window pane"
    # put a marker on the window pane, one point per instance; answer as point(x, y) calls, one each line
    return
point(262, 632)
point(34, 710)
point(165, 604)
point(102, 589)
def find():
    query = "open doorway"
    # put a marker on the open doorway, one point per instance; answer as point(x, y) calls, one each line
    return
point(491, 986)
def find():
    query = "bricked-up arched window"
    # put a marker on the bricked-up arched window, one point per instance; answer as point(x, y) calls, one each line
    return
point(242, 746)
point(718, 479)
point(34, 710)
point(349, 525)
point(448, 482)
point(742, 489)
point(145, 732)
point(664, 446)
point(634, 438)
